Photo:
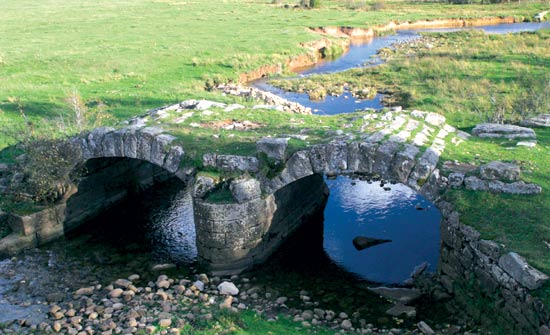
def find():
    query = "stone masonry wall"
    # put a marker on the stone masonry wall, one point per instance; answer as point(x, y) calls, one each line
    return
point(234, 237)
point(484, 267)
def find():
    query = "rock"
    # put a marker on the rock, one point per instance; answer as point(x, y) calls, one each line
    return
point(281, 300)
point(165, 323)
point(163, 267)
point(346, 324)
point(400, 309)
point(226, 304)
point(124, 283)
point(528, 144)
point(165, 284)
point(199, 285)
point(227, 288)
point(202, 186)
point(456, 180)
point(523, 273)
point(85, 291)
point(494, 130)
point(134, 277)
point(425, 329)
point(476, 184)
point(116, 293)
point(233, 163)
point(541, 120)
point(518, 187)
point(244, 190)
point(419, 270)
point(498, 170)
point(397, 294)
point(544, 330)
point(362, 242)
point(435, 119)
point(274, 148)
point(207, 104)
point(233, 107)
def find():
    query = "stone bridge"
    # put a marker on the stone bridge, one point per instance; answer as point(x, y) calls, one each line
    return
point(273, 191)
point(264, 210)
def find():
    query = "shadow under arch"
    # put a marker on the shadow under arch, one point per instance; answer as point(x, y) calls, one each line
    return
point(132, 201)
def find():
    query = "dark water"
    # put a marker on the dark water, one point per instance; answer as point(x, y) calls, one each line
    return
point(358, 208)
point(364, 54)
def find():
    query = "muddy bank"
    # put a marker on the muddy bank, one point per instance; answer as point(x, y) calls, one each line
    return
point(366, 33)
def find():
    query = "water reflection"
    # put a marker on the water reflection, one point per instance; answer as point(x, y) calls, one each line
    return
point(357, 208)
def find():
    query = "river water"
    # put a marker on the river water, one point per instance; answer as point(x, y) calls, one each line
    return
point(157, 227)
point(365, 54)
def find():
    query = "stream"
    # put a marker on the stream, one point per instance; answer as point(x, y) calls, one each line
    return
point(157, 227)
point(365, 54)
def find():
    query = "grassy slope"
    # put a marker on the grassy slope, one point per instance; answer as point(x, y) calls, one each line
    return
point(139, 54)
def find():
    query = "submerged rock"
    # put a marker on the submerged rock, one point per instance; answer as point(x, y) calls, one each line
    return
point(362, 242)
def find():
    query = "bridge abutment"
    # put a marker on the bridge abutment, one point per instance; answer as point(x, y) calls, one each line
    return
point(234, 237)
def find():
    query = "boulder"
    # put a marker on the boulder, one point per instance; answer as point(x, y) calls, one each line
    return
point(244, 190)
point(523, 273)
point(227, 288)
point(495, 130)
point(541, 120)
point(274, 148)
point(362, 242)
point(498, 170)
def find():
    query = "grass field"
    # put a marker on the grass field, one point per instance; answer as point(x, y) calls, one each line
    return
point(130, 56)
point(121, 58)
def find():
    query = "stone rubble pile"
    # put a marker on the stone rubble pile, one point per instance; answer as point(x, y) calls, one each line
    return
point(496, 177)
point(174, 306)
point(273, 101)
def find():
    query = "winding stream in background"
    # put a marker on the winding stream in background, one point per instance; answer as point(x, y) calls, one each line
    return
point(365, 54)
point(157, 227)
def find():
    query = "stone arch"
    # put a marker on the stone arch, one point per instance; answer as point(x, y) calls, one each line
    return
point(391, 160)
point(144, 143)
point(255, 215)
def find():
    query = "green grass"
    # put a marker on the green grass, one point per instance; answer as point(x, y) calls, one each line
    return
point(519, 222)
point(135, 55)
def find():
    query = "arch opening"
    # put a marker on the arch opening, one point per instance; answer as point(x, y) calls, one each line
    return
point(135, 207)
